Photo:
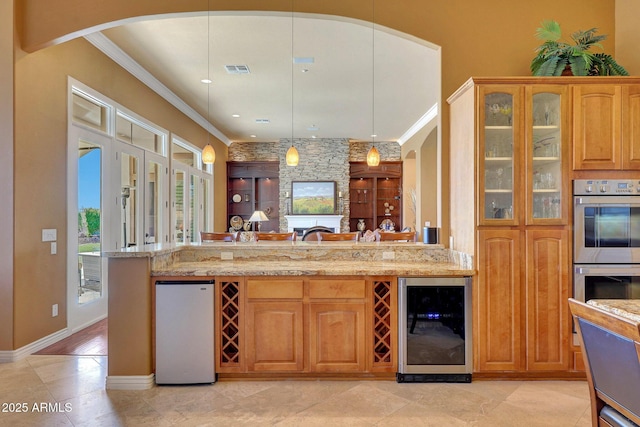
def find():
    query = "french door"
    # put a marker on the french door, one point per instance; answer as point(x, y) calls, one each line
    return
point(191, 204)
point(88, 160)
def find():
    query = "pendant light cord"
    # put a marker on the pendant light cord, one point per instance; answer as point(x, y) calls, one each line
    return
point(373, 72)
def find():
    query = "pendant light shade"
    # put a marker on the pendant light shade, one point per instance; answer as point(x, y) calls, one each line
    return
point(373, 157)
point(292, 156)
point(208, 155)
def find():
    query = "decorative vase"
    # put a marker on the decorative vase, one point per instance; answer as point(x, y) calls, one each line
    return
point(361, 225)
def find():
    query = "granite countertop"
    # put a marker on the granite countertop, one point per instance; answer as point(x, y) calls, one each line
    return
point(627, 308)
point(306, 267)
point(301, 259)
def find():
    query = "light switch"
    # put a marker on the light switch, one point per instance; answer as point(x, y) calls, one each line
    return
point(54, 248)
point(49, 234)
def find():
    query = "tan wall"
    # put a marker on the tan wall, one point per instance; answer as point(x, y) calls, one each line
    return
point(491, 37)
point(41, 170)
point(6, 175)
point(627, 35)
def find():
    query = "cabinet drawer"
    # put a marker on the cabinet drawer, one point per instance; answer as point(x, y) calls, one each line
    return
point(337, 289)
point(278, 289)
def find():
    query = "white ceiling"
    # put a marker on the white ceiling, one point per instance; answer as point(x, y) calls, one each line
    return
point(334, 96)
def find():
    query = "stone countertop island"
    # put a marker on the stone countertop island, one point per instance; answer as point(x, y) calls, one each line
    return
point(356, 280)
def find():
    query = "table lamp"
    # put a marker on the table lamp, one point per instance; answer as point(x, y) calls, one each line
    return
point(258, 216)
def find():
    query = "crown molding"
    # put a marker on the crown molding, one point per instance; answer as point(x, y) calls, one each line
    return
point(106, 46)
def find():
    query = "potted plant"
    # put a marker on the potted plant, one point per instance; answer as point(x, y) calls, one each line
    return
point(555, 57)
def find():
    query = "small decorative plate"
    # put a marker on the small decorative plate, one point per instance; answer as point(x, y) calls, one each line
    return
point(236, 222)
point(237, 198)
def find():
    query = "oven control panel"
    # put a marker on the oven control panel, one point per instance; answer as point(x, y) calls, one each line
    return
point(610, 187)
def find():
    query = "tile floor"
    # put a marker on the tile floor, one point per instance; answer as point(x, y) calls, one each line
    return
point(72, 391)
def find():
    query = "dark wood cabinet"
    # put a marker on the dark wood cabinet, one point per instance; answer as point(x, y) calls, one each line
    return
point(254, 186)
point(375, 194)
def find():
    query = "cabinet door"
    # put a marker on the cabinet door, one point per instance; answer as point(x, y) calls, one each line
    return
point(631, 127)
point(274, 325)
point(499, 139)
point(597, 127)
point(274, 339)
point(547, 127)
point(497, 302)
point(337, 332)
point(548, 327)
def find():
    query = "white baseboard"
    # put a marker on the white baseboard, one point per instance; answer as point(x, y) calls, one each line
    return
point(130, 382)
point(15, 355)
point(89, 323)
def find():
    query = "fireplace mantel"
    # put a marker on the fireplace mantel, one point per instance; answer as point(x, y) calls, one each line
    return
point(295, 222)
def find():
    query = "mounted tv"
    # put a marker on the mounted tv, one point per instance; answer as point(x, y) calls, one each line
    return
point(313, 197)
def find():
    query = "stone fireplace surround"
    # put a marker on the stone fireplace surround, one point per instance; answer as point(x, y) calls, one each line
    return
point(321, 159)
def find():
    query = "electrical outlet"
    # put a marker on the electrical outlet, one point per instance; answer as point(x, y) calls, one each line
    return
point(54, 310)
point(227, 256)
point(388, 255)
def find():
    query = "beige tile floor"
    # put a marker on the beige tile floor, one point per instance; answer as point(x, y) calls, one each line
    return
point(72, 390)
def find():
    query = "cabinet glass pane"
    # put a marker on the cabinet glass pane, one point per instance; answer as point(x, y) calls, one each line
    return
point(498, 145)
point(547, 162)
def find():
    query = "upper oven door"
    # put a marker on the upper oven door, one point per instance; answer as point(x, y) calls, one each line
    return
point(606, 229)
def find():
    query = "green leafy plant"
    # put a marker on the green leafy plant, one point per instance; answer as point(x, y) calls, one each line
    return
point(554, 55)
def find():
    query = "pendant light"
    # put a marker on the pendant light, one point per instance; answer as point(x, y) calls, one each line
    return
point(373, 156)
point(292, 157)
point(208, 153)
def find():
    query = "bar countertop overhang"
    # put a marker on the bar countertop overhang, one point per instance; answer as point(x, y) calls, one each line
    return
point(300, 258)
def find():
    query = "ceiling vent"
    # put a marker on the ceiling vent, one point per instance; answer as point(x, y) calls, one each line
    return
point(263, 121)
point(237, 69)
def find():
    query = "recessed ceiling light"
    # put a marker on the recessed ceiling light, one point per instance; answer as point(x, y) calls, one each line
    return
point(313, 137)
point(305, 70)
point(206, 81)
point(373, 136)
point(252, 136)
point(235, 115)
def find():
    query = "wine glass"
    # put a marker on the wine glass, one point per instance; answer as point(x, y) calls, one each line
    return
point(499, 173)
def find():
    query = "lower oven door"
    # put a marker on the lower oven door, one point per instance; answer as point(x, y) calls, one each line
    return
point(613, 281)
point(617, 281)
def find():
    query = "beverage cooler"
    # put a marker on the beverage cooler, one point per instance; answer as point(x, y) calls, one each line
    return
point(434, 329)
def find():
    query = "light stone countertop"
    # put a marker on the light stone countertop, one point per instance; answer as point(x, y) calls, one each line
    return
point(627, 308)
point(270, 258)
point(306, 267)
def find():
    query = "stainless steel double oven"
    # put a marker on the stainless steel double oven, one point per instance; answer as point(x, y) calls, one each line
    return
point(606, 260)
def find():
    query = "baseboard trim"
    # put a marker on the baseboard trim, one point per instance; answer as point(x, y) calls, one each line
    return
point(16, 355)
point(130, 382)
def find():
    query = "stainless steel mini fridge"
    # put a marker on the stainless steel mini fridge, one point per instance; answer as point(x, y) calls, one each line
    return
point(184, 332)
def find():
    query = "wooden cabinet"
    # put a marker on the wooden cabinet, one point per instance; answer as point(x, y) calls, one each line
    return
point(606, 127)
point(522, 151)
point(375, 195)
point(547, 291)
point(497, 302)
point(274, 331)
point(318, 325)
point(254, 186)
point(337, 325)
point(520, 228)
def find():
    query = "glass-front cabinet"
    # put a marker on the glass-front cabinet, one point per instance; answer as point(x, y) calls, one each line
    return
point(545, 147)
point(522, 154)
point(500, 128)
